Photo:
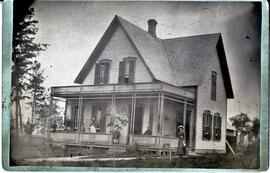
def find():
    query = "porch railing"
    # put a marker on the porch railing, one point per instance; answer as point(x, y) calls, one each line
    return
point(157, 141)
point(80, 137)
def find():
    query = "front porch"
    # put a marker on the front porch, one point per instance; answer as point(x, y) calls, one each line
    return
point(151, 113)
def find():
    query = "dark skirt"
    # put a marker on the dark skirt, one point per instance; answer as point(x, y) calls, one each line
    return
point(181, 147)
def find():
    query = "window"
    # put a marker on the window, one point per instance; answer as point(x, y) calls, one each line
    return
point(126, 71)
point(207, 125)
point(217, 127)
point(102, 72)
point(213, 85)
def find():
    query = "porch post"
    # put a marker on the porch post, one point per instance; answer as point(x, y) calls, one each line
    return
point(113, 106)
point(185, 112)
point(65, 114)
point(158, 114)
point(161, 114)
point(79, 115)
point(131, 120)
point(133, 116)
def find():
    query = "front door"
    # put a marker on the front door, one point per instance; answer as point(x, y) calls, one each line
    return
point(187, 128)
point(138, 120)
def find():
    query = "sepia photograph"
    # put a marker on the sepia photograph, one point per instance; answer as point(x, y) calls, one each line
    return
point(135, 84)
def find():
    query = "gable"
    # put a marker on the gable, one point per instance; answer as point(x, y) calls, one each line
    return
point(179, 61)
point(189, 59)
point(117, 48)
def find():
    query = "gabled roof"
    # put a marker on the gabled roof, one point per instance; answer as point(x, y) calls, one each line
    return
point(166, 59)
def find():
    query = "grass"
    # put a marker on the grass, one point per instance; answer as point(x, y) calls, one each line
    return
point(33, 149)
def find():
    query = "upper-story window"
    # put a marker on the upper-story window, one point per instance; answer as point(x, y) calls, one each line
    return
point(102, 72)
point(213, 85)
point(126, 71)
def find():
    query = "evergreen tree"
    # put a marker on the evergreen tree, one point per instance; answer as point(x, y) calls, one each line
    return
point(36, 90)
point(24, 51)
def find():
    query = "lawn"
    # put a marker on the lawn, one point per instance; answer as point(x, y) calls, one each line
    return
point(33, 149)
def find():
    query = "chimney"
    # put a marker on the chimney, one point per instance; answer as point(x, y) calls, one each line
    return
point(152, 27)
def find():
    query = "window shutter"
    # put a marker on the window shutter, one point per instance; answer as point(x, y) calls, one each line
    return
point(97, 74)
point(107, 73)
point(204, 125)
point(121, 72)
point(219, 129)
point(214, 85)
point(210, 126)
point(131, 71)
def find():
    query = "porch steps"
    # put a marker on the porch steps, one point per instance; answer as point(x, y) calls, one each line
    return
point(117, 149)
point(192, 154)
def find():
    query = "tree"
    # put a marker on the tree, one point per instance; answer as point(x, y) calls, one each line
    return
point(24, 51)
point(255, 127)
point(36, 90)
point(29, 127)
point(242, 124)
point(47, 115)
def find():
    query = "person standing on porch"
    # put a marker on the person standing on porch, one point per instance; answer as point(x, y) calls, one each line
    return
point(181, 148)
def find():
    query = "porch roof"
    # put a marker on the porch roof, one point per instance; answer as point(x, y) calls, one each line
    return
point(77, 90)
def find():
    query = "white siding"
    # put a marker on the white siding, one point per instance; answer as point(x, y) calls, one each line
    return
point(204, 102)
point(118, 48)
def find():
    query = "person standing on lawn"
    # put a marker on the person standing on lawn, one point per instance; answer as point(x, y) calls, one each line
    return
point(181, 148)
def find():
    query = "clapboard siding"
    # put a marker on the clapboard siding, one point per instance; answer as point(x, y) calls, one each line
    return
point(169, 117)
point(118, 48)
point(204, 102)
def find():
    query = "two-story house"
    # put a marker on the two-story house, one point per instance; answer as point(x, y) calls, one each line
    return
point(149, 86)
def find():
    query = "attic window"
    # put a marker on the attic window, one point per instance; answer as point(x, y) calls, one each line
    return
point(102, 73)
point(213, 85)
point(126, 71)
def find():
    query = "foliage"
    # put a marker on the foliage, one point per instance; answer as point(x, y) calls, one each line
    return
point(241, 123)
point(29, 127)
point(255, 127)
point(54, 126)
point(48, 111)
point(35, 89)
point(116, 128)
point(25, 50)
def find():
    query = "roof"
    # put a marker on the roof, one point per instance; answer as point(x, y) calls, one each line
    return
point(166, 59)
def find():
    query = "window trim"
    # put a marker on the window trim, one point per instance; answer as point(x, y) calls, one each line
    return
point(217, 126)
point(207, 124)
point(98, 78)
point(127, 77)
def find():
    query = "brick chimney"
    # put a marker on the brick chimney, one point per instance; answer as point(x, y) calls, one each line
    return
point(152, 27)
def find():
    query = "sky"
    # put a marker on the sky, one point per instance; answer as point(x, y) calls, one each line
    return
point(74, 28)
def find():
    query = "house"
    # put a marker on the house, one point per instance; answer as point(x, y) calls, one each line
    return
point(147, 87)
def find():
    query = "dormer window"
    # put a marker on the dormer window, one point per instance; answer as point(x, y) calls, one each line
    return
point(102, 70)
point(126, 71)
